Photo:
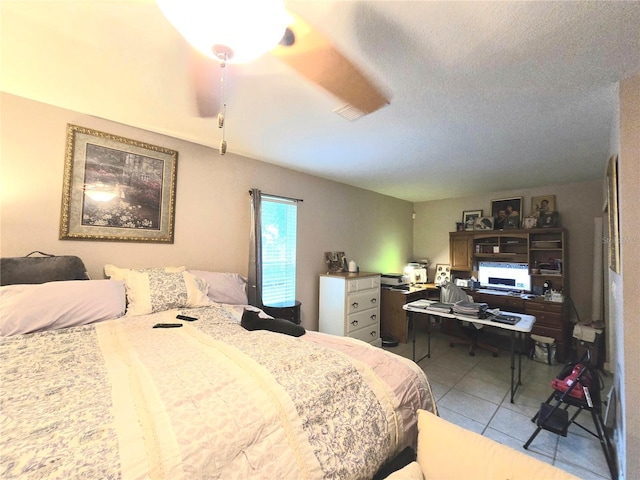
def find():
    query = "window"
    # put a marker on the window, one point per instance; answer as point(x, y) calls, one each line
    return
point(279, 230)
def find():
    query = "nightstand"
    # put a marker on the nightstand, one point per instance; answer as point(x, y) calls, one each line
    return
point(287, 310)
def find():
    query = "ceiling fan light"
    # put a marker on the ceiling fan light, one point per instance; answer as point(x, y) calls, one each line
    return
point(249, 28)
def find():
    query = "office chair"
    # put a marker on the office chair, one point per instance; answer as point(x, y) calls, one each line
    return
point(451, 293)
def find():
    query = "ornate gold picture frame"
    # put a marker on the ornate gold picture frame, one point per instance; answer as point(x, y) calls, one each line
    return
point(117, 189)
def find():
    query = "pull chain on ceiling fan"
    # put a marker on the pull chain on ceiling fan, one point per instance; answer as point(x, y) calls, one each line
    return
point(223, 54)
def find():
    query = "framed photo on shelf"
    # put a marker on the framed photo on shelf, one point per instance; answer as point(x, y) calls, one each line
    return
point(443, 274)
point(117, 189)
point(484, 223)
point(336, 261)
point(469, 218)
point(548, 220)
point(507, 212)
point(543, 204)
point(511, 223)
point(529, 222)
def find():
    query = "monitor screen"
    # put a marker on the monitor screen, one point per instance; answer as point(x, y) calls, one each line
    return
point(504, 276)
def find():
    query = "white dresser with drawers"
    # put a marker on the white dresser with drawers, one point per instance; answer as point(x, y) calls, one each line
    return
point(350, 305)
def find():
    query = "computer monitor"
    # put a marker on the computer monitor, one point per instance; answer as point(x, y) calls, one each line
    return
point(504, 276)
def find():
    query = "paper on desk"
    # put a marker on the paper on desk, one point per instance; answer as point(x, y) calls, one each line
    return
point(420, 303)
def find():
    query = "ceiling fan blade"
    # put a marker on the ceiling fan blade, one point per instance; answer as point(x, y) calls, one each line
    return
point(315, 58)
point(204, 77)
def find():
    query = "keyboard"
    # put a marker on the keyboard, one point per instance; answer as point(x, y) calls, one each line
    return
point(508, 319)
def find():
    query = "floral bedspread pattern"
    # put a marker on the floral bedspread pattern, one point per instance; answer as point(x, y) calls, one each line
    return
point(208, 400)
point(56, 416)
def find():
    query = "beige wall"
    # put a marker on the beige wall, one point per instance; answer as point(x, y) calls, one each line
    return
point(578, 204)
point(212, 206)
point(624, 306)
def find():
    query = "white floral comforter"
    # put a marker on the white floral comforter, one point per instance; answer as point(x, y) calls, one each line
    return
point(120, 399)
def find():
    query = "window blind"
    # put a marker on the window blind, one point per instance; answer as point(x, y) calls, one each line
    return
point(279, 231)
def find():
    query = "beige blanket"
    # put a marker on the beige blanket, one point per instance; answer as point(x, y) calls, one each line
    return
point(208, 400)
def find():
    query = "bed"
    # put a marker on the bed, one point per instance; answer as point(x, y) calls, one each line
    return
point(90, 389)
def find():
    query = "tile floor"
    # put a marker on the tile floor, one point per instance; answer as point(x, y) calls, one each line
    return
point(474, 392)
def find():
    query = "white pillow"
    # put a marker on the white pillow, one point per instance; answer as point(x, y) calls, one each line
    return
point(224, 287)
point(52, 305)
point(117, 273)
point(156, 291)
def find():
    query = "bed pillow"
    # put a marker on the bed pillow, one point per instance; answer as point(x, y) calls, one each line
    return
point(225, 287)
point(53, 305)
point(117, 273)
point(155, 290)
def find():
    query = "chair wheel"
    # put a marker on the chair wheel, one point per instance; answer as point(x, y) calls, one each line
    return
point(472, 354)
point(451, 345)
point(495, 354)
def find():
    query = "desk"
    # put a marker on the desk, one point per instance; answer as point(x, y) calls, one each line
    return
point(552, 318)
point(393, 320)
point(525, 325)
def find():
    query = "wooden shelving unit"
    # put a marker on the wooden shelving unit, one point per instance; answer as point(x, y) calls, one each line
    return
point(542, 248)
point(545, 251)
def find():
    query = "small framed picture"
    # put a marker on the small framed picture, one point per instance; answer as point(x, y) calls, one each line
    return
point(336, 261)
point(469, 218)
point(543, 204)
point(548, 220)
point(511, 223)
point(529, 222)
point(483, 223)
point(443, 274)
point(507, 208)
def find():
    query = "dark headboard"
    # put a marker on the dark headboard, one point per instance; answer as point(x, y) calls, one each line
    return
point(46, 268)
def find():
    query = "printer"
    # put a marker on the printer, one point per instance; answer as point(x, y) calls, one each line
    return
point(416, 272)
point(393, 279)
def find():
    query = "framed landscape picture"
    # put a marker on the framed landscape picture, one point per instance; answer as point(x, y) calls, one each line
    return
point(117, 189)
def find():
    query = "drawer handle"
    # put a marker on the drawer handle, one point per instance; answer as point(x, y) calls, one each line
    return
point(373, 317)
point(354, 304)
point(354, 323)
point(374, 300)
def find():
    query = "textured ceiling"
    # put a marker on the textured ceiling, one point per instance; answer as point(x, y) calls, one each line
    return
point(485, 96)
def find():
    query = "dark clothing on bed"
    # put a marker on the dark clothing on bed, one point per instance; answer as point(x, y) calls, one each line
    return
point(251, 321)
